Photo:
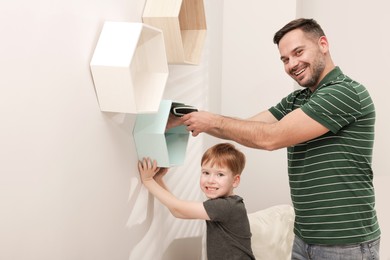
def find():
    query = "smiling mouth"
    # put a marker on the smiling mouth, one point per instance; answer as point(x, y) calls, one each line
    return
point(299, 72)
point(211, 189)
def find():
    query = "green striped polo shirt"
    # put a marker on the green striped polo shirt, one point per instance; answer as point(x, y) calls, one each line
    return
point(331, 178)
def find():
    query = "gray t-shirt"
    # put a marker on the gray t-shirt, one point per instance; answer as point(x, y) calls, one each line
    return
point(228, 230)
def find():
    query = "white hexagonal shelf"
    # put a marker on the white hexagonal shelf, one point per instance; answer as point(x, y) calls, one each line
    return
point(151, 139)
point(129, 68)
point(183, 23)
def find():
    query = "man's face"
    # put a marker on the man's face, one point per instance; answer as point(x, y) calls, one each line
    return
point(303, 58)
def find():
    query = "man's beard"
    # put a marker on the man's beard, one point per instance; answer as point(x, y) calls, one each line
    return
point(318, 68)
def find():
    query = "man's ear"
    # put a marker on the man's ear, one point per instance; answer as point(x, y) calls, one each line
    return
point(236, 180)
point(323, 44)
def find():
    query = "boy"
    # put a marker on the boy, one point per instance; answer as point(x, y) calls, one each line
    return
point(228, 232)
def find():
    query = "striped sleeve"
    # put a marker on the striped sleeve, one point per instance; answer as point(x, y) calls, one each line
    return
point(334, 106)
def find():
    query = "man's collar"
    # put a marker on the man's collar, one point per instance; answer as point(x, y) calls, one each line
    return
point(330, 77)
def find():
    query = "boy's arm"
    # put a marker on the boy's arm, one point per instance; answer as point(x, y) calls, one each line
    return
point(178, 208)
point(159, 177)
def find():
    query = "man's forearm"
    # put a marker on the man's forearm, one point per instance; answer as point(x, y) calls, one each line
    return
point(248, 133)
point(256, 132)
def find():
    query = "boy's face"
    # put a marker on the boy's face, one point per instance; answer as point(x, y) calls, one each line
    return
point(217, 181)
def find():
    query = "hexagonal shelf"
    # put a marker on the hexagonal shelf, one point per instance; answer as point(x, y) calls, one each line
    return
point(129, 68)
point(183, 23)
point(169, 147)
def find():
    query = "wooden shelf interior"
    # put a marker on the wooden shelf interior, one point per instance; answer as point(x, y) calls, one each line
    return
point(183, 23)
point(129, 68)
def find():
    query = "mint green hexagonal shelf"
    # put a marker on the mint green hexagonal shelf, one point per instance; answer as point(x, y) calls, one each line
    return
point(168, 148)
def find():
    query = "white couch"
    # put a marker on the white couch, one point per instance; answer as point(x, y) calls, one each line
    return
point(272, 232)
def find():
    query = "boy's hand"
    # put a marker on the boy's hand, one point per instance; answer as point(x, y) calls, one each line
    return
point(147, 169)
point(160, 174)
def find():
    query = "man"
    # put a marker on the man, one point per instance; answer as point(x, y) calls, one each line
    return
point(328, 129)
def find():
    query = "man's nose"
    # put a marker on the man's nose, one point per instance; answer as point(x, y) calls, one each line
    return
point(293, 63)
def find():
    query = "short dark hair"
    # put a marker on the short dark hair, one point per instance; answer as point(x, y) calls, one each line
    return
point(225, 155)
point(309, 26)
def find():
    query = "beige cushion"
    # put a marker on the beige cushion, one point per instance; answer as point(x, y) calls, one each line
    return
point(272, 232)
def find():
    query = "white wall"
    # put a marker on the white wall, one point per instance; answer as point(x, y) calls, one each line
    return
point(69, 186)
point(253, 79)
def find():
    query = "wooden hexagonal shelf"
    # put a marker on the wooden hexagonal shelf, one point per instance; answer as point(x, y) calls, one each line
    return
point(129, 68)
point(183, 23)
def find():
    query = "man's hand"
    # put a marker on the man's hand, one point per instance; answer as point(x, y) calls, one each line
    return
point(199, 122)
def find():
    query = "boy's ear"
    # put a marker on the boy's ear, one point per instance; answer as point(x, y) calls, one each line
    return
point(236, 180)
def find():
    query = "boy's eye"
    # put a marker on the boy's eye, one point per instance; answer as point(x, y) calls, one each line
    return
point(221, 174)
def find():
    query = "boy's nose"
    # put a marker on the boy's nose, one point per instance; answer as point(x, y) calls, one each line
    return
point(211, 179)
